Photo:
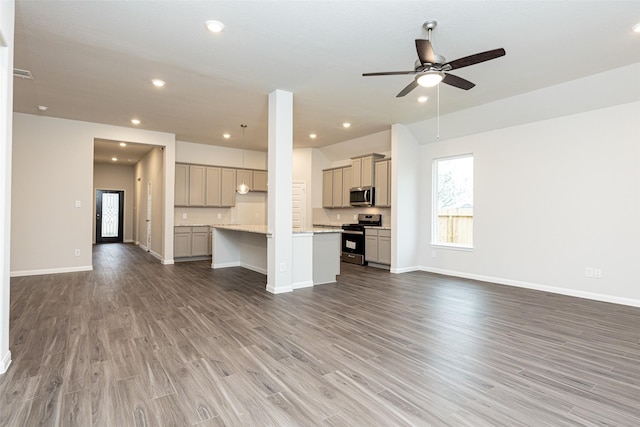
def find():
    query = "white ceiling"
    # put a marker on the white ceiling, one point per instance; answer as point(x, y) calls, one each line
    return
point(93, 60)
point(104, 150)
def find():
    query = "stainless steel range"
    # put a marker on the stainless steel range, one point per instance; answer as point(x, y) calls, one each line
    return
point(353, 238)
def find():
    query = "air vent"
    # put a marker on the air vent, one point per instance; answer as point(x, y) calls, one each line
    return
point(23, 74)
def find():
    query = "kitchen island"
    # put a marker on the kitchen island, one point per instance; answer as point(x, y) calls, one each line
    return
point(315, 252)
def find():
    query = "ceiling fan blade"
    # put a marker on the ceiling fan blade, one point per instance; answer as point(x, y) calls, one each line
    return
point(389, 73)
point(476, 59)
point(411, 86)
point(425, 51)
point(458, 82)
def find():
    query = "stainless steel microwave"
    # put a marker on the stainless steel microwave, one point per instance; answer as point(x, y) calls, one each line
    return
point(362, 196)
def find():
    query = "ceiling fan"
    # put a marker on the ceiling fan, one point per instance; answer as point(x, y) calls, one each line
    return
point(431, 69)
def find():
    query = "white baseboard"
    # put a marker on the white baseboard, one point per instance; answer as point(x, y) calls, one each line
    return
point(168, 261)
point(5, 362)
point(22, 273)
point(538, 287)
point(304, 284)
point(404, 269)
point(156, 255)
point(226, 264)
point(280, 290)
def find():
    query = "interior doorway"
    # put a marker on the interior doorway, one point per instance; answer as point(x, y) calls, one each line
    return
point(109, 216)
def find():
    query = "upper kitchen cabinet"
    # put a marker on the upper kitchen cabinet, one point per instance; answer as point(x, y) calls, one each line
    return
point(260, 179)
point(383, 182)
point(206, 186)
point(197, 185)
point(228, 187)
point(335, 187)
point(246, 176)
point(362, 170)
point(181, 194)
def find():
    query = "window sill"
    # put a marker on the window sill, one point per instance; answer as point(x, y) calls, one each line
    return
point(454, 247)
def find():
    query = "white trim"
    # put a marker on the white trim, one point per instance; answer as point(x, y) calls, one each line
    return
point(405, 269)
point(226, 264)
point(167, 262)
point(51, 271)
point(156, 255)
point(303, 284)
point(280, 290)
point(5, 362)
point(538, 287)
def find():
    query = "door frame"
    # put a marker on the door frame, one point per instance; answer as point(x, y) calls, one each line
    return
point(98, 225)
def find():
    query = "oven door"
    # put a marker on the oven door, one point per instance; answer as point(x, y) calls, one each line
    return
point(353, 247)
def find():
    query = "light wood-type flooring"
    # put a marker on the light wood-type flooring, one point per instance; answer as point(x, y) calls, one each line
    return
point(136, 343)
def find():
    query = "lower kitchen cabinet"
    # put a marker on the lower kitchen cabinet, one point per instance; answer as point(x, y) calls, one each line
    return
point(377, 245)
point(191, 241)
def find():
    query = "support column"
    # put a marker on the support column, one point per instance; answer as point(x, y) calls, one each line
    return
point(279, 243)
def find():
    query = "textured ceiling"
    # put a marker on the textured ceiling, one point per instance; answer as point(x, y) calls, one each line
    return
point(93, 60)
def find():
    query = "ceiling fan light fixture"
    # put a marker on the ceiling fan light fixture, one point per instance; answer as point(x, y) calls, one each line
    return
point(430, 78)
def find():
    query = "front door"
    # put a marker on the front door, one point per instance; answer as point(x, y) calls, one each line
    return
point(109, 216)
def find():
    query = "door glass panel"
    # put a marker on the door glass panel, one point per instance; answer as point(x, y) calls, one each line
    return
point(110, 208)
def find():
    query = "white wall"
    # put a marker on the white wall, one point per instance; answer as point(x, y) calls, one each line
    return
point(551, 198)
point(53, 168)
point(7, 12)
point(188, 152)
point(150, 170)
point(116, 177)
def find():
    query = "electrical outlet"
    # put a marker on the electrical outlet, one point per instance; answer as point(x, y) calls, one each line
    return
point(76, 252)
point(433, 254)
point(355, 217)
point(589, 272)
point(283, 267)
point(78, 203)
point(597, 273)
point(219, 216)
point(338, 216)
point(184, 215)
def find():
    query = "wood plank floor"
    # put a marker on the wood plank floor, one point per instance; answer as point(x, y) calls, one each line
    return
point(136, 343)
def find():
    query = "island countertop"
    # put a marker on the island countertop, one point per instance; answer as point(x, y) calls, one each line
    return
point(262, 229)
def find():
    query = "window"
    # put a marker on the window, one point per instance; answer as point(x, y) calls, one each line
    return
point(453, 201)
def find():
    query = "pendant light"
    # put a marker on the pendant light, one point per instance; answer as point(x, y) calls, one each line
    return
point(243, 188)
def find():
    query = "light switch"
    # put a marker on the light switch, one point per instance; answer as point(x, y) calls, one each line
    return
point(184, 215)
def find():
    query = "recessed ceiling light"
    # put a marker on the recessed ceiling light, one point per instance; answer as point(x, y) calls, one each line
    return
point(423, 98)
point(135, 121)
point(214, 26)
point(313, 136)
point(226, 135)
point(158, 82)
point(636, 28)
point(42, 108)
point(114, 159)
point(346, 125)
point(123, 144)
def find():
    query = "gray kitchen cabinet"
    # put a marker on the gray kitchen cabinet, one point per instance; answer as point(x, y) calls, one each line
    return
point(346, 186)
point(336, 183)
point(327, 188)
point(197, 185)
point(181, 193)
point(182, 242)
point(260, 180)
point(377, 246)
point(363, 173)
point(200, 241)
point(246, 176)
point(191, 241)
point(228, 187)
point(383, 183)
point(213, 187)
point(337, 188)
